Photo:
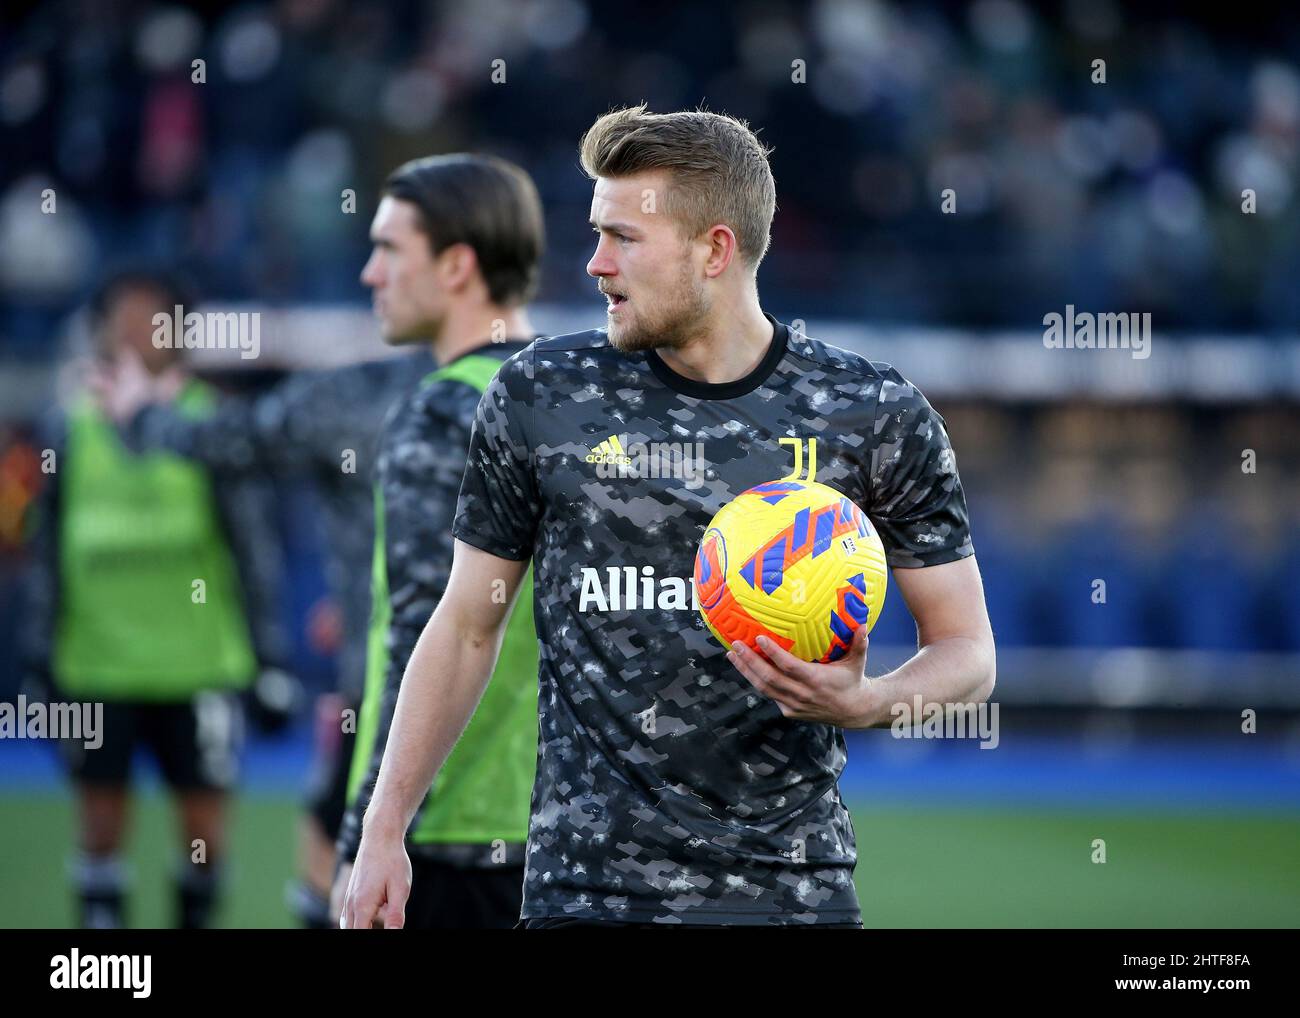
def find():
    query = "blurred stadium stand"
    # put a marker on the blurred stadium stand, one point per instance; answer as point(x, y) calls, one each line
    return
point(1117, 196)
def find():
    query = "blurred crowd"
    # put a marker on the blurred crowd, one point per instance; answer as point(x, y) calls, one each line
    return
point(1133, 526)
point(1122, 195)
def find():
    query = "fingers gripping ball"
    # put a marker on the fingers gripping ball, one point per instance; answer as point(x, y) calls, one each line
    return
point(795, 561)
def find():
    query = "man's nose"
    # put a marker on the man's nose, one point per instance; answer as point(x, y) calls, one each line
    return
point(370, 272)
point(601, 264)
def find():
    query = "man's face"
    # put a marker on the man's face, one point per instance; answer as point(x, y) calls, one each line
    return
point(651, 276)
point(402, 275)
point(128, 324)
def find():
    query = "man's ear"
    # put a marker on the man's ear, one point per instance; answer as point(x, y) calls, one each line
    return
point(457, 266)
point(722, 249)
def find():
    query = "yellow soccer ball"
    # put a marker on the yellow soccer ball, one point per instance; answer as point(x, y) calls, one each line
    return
point(795, 561)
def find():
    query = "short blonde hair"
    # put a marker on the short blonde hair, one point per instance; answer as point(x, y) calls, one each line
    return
point(717, 164)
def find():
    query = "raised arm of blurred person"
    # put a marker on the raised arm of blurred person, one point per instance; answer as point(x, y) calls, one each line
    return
point(315, 421)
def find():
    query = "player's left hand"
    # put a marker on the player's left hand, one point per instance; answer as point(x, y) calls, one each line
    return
point(833, 694)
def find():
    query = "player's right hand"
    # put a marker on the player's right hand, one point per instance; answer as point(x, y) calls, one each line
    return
point(380, 884)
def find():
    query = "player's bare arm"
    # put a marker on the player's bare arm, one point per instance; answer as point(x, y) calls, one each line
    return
point(442, 685)
point(955, 662)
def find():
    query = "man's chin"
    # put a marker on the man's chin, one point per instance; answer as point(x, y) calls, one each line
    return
point(628, 339)
point(392, 338)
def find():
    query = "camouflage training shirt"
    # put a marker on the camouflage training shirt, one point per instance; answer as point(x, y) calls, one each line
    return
point(668, 789)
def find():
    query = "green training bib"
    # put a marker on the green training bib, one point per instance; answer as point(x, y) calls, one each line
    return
point(150, 604)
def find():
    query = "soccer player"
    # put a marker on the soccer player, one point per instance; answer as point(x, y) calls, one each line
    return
point(457, 247)
point(321, 426)
point(117, 616)
point(679, 781)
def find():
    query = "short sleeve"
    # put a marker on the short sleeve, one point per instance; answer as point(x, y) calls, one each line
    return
point(917, 503)
point(499, 508)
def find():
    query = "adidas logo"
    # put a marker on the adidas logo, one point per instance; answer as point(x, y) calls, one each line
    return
point(609, 451)
point(636, 460)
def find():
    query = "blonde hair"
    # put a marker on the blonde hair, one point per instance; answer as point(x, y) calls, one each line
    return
point(717, 164)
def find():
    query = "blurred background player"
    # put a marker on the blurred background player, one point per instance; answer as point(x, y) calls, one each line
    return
point(458, 241)
point(118, 614)
point(320, 426)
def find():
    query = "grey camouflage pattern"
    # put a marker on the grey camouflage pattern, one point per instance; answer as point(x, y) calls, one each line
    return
point(668, 789)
